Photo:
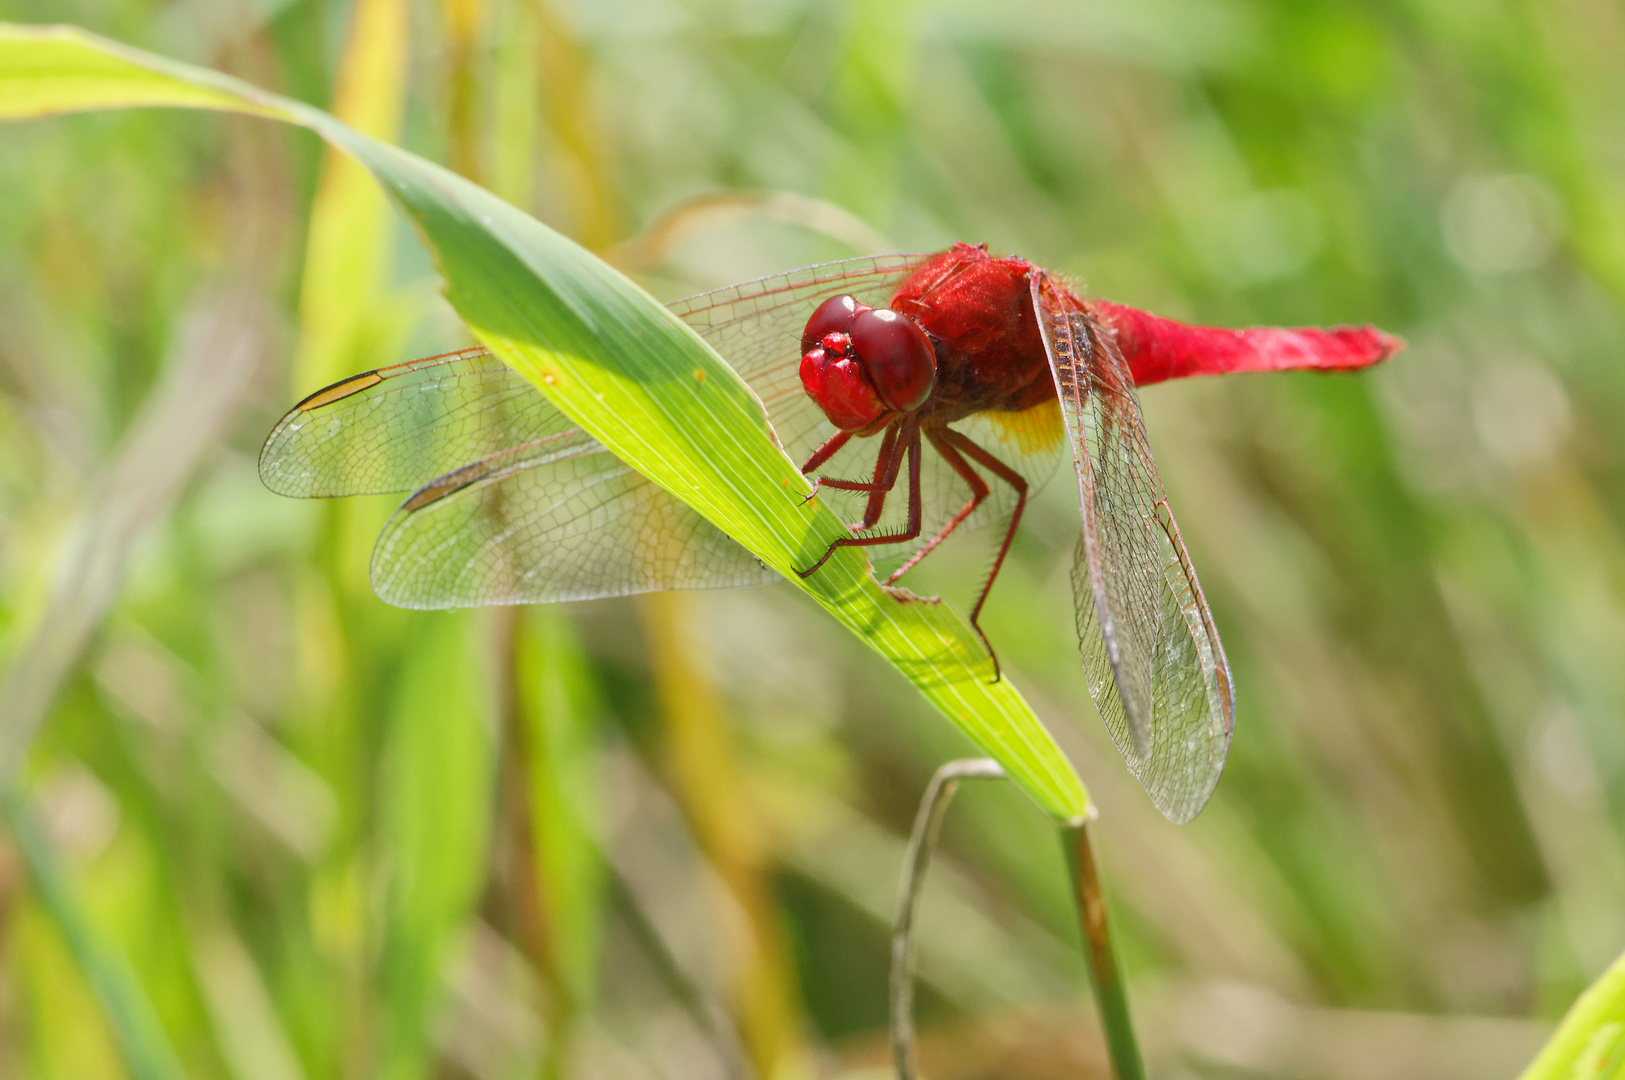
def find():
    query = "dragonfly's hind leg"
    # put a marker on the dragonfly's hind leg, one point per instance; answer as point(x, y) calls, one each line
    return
point(1019, 483)
point(954, 448)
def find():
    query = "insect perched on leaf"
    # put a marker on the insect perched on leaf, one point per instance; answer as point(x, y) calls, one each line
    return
point(993, 364)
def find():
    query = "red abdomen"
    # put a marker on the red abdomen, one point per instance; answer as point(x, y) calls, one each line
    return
point(978, 311)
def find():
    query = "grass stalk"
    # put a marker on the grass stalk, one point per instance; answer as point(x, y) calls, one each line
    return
point(1105, 973)
point(146, 1048)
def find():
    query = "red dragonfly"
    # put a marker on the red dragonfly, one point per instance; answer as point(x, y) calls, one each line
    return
point(992, 363)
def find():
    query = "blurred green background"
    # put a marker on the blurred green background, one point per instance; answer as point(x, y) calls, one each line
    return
point(273, 829)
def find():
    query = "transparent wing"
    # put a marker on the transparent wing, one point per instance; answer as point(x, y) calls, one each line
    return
point(1156, 669)
point(399, 427)
point(756, 326)
point(516, 503)
point(547, 522)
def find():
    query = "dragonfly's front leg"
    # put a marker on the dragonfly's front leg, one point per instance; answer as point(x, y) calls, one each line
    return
point(909, 439)
point(887, 463)
point(823, 454)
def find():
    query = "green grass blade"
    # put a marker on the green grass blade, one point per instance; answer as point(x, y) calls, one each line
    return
point(554, 744)
point(1590, 1043)
point(147, 1052)
point(436, 847)
point(618, 362)
point(48, 70)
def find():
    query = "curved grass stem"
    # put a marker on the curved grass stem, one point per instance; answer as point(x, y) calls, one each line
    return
point(1105, 973)
point(921, 843)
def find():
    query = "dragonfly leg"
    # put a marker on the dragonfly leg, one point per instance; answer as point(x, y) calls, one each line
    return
point(887, 463)
point(821, 455)
point(910, 440)
point(1004, 472)
point(979, 491)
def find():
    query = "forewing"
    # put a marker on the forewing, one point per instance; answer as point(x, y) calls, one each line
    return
point(399, 427)
point(516, 503)
point(1155, 667)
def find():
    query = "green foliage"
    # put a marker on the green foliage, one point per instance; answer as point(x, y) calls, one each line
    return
point(1590, 1043)
point(436, 796)
point(1416, 857)
point(140, 1036)
point(563, 775)
point(619, 364)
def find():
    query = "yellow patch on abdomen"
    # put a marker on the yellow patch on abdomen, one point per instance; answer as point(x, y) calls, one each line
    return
point(1034, 431)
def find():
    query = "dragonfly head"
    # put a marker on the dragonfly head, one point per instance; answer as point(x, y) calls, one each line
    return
point(861, 364)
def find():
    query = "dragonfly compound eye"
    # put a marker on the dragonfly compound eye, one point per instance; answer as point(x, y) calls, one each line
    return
point(897, 357)
point(833, 316)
